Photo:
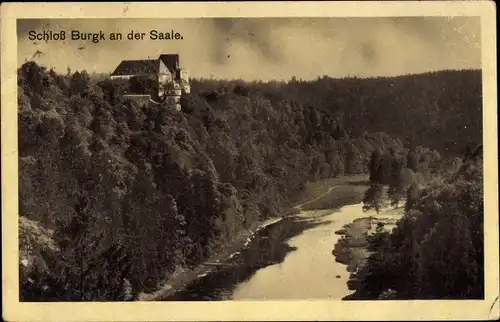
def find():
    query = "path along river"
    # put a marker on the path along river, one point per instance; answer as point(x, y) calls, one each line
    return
point(288, 259)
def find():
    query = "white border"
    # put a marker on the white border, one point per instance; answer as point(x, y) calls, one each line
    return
point(244, 310)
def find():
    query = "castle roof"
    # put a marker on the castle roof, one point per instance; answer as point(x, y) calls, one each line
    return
point(135, 67)
point(147, 66)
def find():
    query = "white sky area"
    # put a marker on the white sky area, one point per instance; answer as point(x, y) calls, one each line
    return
point(267, 48)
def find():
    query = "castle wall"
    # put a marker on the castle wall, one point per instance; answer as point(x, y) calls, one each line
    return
point(139, 99)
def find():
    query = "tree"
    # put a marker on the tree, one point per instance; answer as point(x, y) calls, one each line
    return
point(412, 160)
point(354, 163)
point(385, 170)
point(374, 198)
point(400, 181)
point(412, 196)
point(79, 83)
point(375, 162)
point(78, 243)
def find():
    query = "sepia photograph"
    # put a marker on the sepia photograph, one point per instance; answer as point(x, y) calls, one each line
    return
point(225, 159)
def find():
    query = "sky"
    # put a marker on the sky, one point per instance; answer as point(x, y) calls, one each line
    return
point(267, 48)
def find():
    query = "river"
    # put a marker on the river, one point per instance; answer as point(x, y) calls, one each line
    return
point(288, 259)
point(311, 270)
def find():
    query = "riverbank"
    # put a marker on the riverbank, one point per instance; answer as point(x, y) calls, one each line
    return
point(318, 192)
point(182, 277)
point(291, 254)
point(309, 272)
point(351, 248)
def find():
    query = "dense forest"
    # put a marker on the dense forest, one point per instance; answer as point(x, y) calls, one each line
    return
point(438, 110)
point(436, 249)
point(115, 196)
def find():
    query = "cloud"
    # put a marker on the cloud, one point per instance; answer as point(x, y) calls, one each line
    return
point(267, 48)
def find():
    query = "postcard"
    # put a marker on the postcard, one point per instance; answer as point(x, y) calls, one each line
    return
point(249, 161)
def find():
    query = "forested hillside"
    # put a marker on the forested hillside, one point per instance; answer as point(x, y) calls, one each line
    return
point(436, 251)
point(438, 110)
point(114, 197)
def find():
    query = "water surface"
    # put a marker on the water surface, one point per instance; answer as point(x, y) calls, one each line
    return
point(290, 259)
point(311, 270)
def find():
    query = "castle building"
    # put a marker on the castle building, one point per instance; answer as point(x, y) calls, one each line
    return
point(160, 79)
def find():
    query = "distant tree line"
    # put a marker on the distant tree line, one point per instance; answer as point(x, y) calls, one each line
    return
point(438, 110)
point(125, 195)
